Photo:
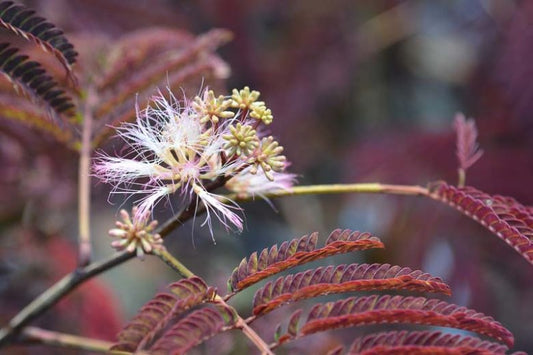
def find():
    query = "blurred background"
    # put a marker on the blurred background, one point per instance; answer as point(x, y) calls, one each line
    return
point(361, 91)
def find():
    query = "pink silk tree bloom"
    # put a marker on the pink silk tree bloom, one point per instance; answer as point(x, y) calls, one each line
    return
point(172, 151)
point(246, 183)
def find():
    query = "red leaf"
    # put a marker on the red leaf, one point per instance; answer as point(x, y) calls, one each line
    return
point(423, 350)
point(298, 252)
point(194, 329)
point(503, 216)
point(374, 309)
point(354, 277)
point(155, 315)
point(422, 342)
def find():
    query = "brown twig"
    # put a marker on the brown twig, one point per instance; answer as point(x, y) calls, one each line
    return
point(84, 183)
point(36, 335)
point(71, 281)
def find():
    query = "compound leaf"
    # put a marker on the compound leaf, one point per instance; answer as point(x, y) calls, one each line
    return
point(195, 328)
point(30, 78)
point(25, 23)
point(164, 308)
point(503, 216)
point(343, 278)
point(423, 342)
point(297, 252)
point(355, 311)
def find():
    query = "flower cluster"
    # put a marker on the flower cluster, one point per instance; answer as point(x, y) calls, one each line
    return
point(192, 147)
point(135, 235)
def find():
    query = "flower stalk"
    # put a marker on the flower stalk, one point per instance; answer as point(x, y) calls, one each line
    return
point(337, 189)
point(84, 184)
point(47, 337)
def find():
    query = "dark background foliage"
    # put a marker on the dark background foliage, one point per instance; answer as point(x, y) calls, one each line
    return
point(361, 91)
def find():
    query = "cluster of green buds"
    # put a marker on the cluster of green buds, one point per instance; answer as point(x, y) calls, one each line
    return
point(243, 113)
point(244, 141)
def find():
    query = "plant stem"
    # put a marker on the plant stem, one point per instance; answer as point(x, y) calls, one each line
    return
point(71, 281)
point(191, 210)
point(84, 184)
point(177, 220)
point(241, 324)
point(174, 263)
point(337, 189)
point(68, 283)
point(60, 289)
point(47, 337)
point(252, 335)
point(461, 179)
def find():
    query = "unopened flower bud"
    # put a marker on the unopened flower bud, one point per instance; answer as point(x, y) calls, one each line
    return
point(243, 98)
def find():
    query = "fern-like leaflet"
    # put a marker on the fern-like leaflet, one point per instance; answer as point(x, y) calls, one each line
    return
point(19, 109)
point(160, 311)
point(468, 152)
point(423, 342)
point(194, 329)
point(149, 44)
point(297, 252)
point(374, 309)
point(23, 22)
point(343, 278)
point(178, 322)
point(31, 79)
point(386, 309)
point(503, 216)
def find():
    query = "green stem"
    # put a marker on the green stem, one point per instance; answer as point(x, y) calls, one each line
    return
point(174, 263)
point(47, 337)
point(338, 189)
point(461, 179)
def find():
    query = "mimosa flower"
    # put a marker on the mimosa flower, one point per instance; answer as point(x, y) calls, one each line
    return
point(190, 148)
point(247, 183)
point(173, 152)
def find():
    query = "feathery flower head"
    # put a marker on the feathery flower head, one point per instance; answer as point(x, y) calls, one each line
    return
point(135, 235)
point(246, 183)
point(189, 149)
